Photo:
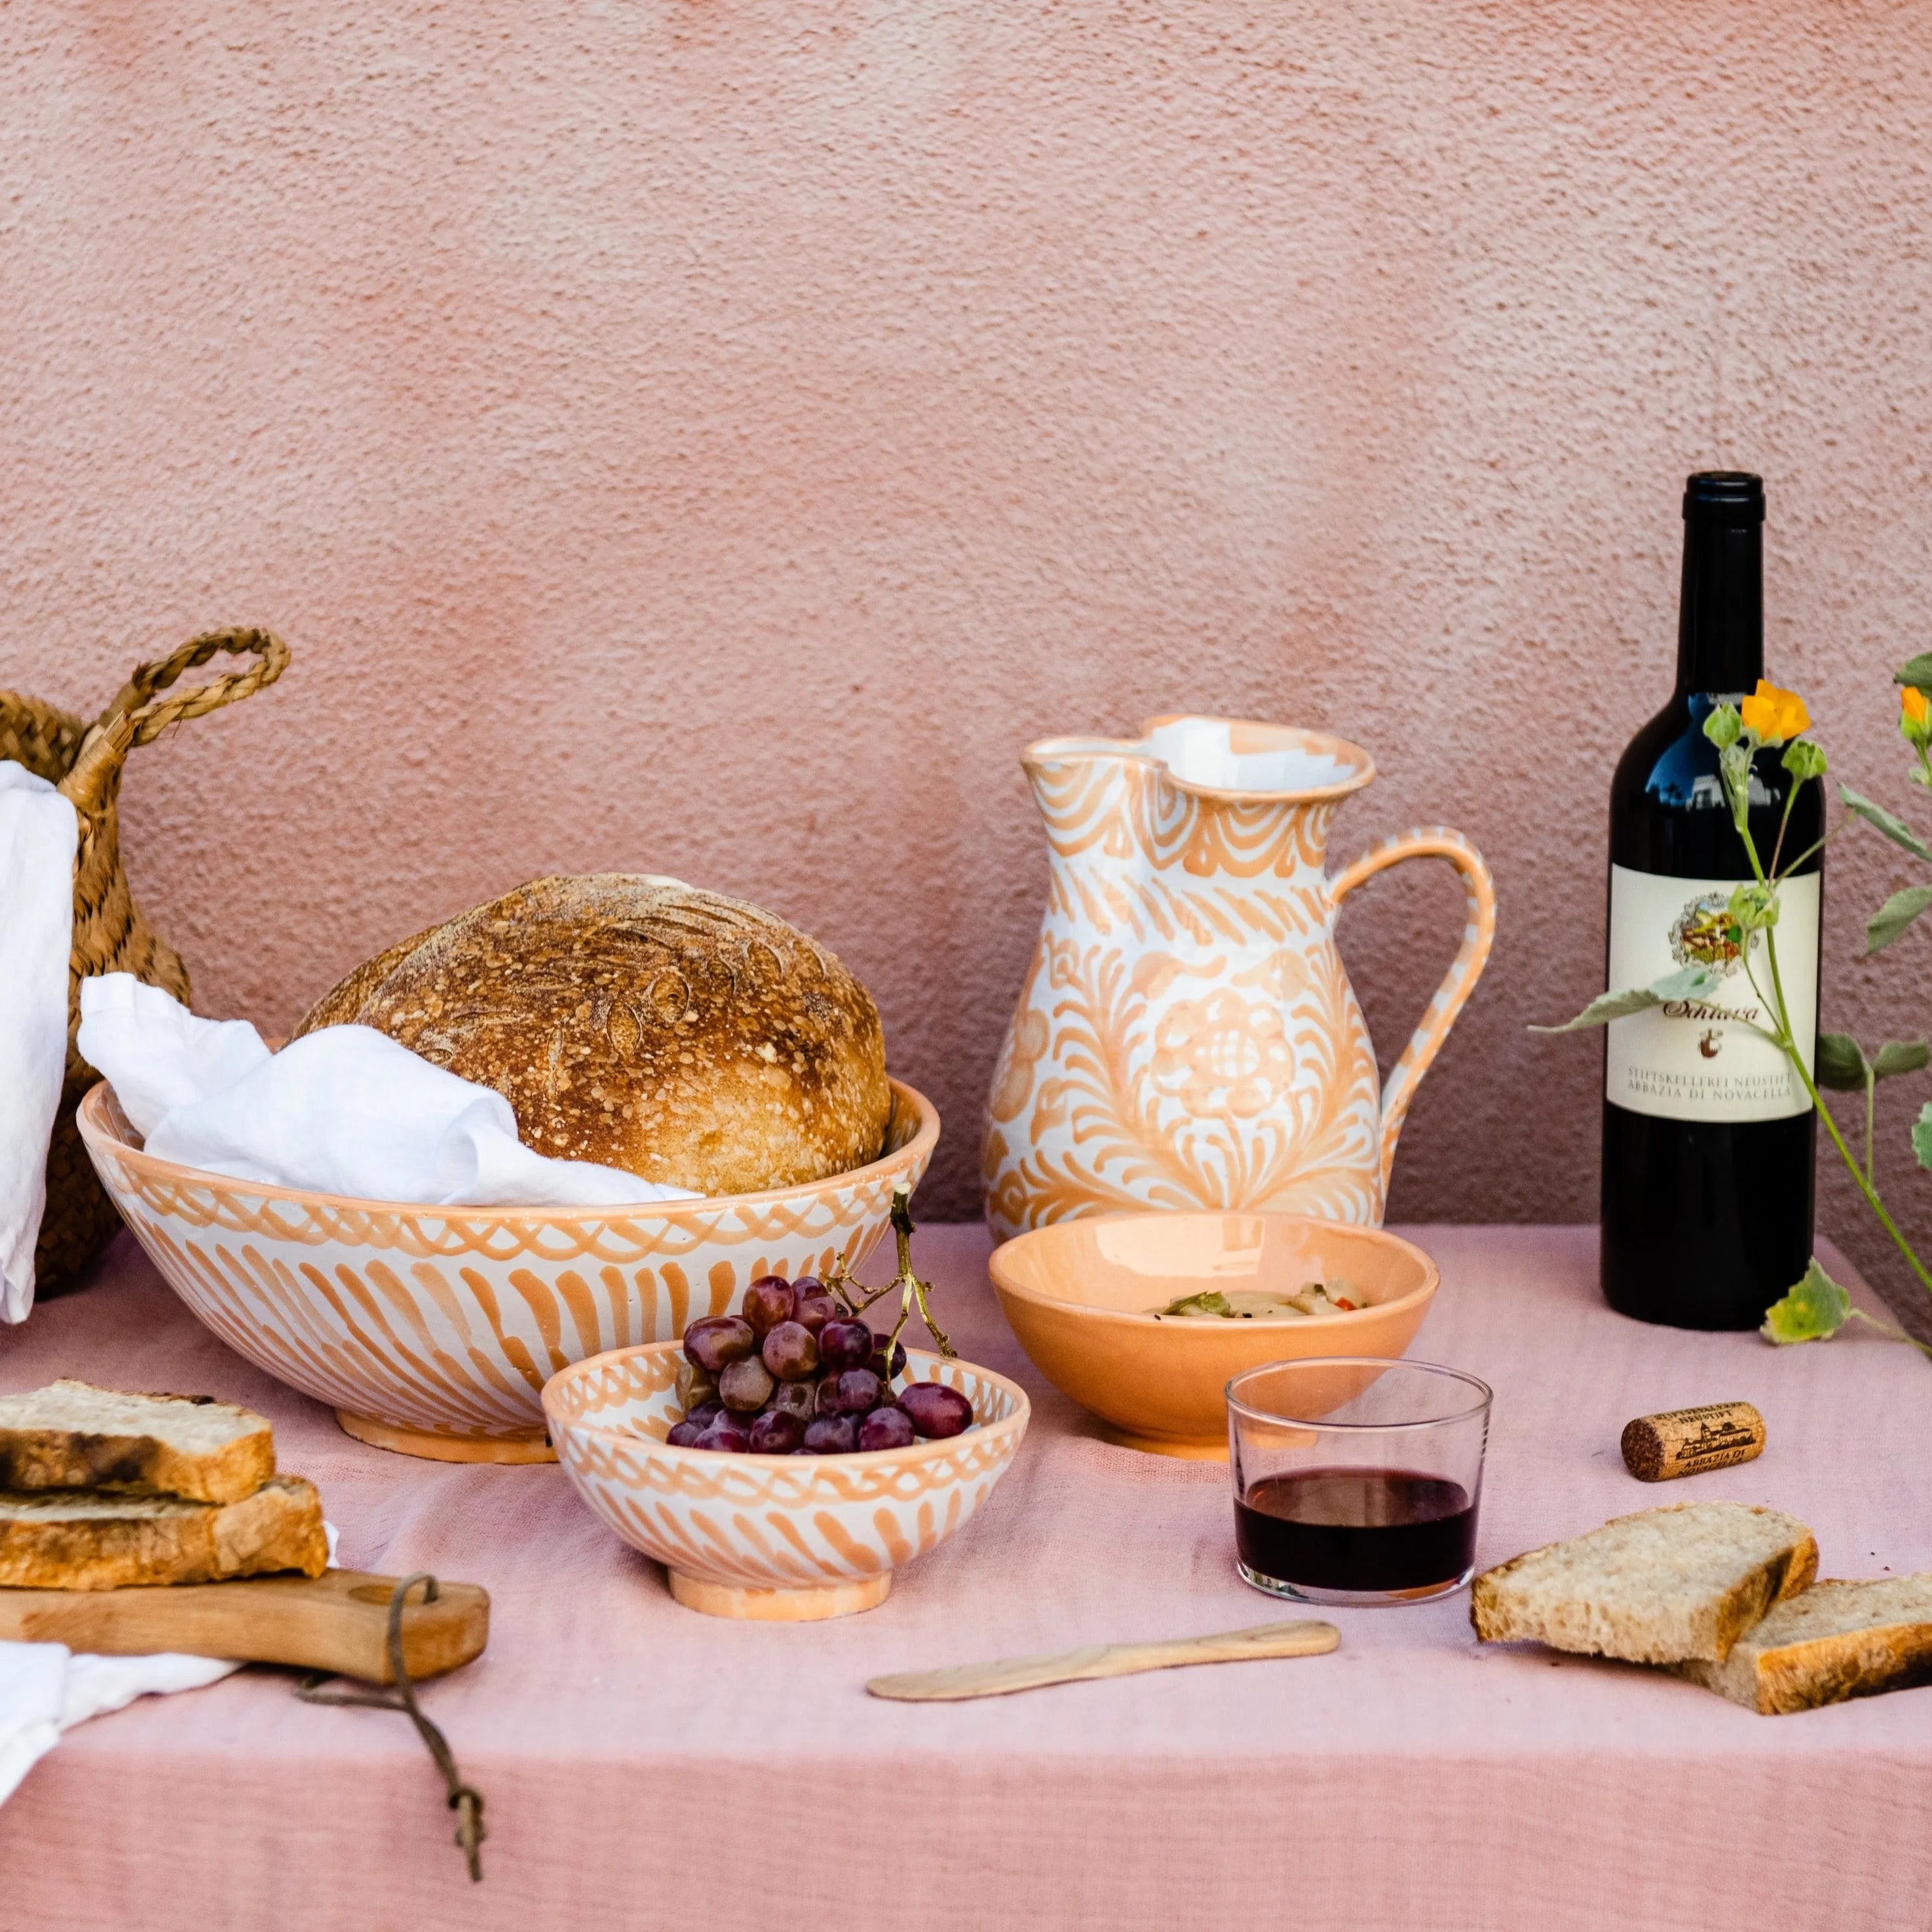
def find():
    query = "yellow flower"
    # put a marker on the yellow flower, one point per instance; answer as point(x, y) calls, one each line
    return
point(1911, 703)
point(1775, 715)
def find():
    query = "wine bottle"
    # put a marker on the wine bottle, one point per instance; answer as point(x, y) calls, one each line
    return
point(1709, 1135)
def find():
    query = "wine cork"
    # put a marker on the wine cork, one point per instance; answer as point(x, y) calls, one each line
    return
point(1681, 1442)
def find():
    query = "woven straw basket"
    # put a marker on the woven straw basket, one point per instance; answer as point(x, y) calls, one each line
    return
point(110, 934)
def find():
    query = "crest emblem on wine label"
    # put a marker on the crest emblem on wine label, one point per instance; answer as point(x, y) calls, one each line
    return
point(1702, 1056)
point(1704, 933)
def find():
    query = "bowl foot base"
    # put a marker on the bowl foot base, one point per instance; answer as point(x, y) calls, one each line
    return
point(529, 1446)
point(785, 1606)
point(1215, 1450)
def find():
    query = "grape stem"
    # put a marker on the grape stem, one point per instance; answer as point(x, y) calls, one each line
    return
point(912, 1291)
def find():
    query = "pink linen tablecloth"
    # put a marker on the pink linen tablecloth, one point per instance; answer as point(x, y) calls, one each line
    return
point(645, 1765)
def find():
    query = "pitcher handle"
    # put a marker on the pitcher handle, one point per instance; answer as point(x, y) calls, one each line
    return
point(1429, 841)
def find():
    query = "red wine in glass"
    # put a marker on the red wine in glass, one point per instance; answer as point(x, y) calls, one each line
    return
point(1356, 1530)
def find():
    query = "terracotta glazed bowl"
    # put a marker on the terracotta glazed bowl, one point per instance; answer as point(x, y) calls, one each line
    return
point(1077, 1294)
point(433, 1329)
point(781, 1538)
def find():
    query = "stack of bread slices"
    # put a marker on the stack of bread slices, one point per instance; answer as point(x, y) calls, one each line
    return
point(102, 1490)
point(1722, 1593)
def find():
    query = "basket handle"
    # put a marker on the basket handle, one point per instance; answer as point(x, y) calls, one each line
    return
point(139, 714)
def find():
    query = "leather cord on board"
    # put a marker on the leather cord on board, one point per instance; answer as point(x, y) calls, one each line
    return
point(465, 1800)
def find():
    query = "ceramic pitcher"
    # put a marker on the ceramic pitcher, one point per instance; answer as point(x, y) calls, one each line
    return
point(1187, 1037)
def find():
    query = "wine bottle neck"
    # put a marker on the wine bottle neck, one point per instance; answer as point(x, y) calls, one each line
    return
point(1720, 613)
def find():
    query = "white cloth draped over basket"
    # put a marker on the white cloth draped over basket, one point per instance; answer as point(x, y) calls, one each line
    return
point(344, 1111)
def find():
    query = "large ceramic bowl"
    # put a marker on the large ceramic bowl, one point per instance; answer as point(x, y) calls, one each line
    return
point(1077, 1294)
point(783, 1538)
point(433, 1329)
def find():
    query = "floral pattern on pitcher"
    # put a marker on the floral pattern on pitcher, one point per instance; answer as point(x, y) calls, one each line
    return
point(1186, 1036)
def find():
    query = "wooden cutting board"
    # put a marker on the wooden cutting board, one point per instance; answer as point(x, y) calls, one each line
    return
point(337, 1621)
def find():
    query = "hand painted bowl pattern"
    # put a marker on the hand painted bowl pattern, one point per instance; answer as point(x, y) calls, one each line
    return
point(774, 1537)
point(433, 1329)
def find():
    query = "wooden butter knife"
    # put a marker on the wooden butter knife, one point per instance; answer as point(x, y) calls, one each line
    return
point(1110, 1660)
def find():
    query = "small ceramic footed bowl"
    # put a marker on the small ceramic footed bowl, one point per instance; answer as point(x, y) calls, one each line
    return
point(1078, 1294)
point(780, 1538)
point(432, 1330)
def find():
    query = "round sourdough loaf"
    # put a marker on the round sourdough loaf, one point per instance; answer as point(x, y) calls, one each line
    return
point(633, 1020)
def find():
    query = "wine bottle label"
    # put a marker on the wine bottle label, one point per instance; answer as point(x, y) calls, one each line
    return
point(1704, 1060)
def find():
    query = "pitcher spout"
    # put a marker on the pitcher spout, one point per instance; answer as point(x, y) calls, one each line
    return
point(1198, 798)
point(1226, 758)
point(1239, 758)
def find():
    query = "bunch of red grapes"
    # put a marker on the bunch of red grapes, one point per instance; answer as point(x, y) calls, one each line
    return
point(794, 1374)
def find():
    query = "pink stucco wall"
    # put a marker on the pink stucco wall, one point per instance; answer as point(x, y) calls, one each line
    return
point(711, 436)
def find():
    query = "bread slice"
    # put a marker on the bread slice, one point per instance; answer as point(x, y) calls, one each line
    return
point(72, 1436)
point(80, 1539)
point(1837, 1640)
point(1659, 1587)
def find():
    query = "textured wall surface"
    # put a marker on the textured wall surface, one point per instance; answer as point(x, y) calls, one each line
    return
point(712, 437)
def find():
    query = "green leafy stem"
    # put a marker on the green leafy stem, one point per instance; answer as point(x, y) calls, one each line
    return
point(1817, 1306)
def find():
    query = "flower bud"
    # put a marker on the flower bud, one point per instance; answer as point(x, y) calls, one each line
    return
point(1722, 726)
point(1804, 759)
point(1754, 906)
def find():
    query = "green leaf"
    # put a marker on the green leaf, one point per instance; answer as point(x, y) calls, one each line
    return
point(1900, 1057)
point(1841, 1062)
point(1690, 982)
point(1693, 982)
point(1921, 1135)
point(1815, 1308)
point(1606, 1007)
point(1896, 829)
point(1918, 673)
point(1210, 1301)
point(1895, 916)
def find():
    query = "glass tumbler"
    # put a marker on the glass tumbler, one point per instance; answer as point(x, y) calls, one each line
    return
point(1356, 1478)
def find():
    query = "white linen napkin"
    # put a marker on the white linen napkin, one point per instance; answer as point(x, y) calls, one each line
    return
point(45, 1689)
point(346, 1110)
point(38, 835)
